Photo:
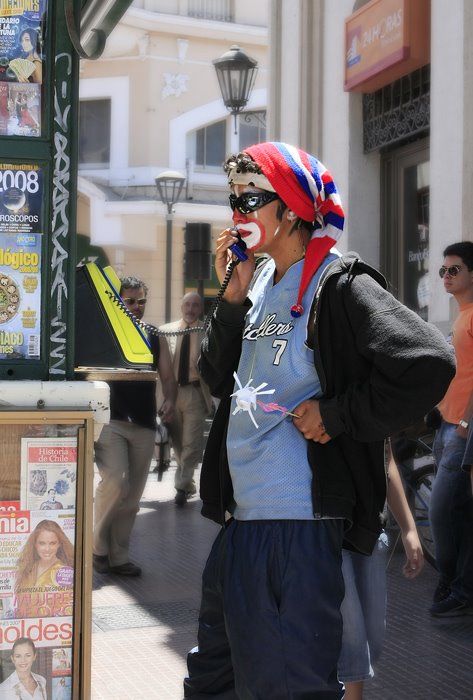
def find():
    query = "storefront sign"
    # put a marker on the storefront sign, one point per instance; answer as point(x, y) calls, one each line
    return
point(384, 40)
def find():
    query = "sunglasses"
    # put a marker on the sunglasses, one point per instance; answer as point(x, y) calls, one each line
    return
point(251, 201)
point(132, 302)
point(451, 271)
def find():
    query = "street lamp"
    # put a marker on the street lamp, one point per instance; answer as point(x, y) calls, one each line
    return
point(169, 184)
point(236, 73)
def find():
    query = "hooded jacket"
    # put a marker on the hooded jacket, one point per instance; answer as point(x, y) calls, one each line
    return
point(381, 369)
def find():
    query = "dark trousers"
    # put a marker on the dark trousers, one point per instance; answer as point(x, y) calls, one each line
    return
point(451, 514)
point(270, 624)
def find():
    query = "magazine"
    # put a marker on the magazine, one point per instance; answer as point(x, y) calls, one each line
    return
point(36, 564)
point(20, 109)
point(21, 200)
point(20, 295)
point(47, 641)
point(21, 41)
point(48, 473)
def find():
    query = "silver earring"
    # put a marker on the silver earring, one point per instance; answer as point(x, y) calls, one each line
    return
point(291, 216)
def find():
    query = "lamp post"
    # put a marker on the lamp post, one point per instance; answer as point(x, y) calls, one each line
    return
point(169, 184)
point(236, 73)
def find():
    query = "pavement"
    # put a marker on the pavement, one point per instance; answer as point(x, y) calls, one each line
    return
point(142, 628)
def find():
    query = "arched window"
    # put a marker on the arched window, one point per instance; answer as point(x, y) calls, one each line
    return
point(207, 146)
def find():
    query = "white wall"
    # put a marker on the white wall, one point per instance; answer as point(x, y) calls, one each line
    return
point(448, 82)
point(356, 174)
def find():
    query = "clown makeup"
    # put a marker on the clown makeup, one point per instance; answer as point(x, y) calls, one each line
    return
point(252, 232)
point(250, 226)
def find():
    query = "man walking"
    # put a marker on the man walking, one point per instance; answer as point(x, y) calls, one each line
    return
point(194, 402)
point(125, 448)
point(451, 505)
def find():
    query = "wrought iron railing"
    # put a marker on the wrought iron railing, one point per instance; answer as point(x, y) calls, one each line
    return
point(219, 10)
point(397, 112)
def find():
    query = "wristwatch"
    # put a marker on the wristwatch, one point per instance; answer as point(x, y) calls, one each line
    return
point(463, 423)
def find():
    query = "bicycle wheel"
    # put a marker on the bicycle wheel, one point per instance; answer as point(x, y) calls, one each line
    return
point(419, 492)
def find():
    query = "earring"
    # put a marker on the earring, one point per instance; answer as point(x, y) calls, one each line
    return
point(291, 216)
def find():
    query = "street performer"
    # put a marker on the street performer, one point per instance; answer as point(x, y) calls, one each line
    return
point(315, 364)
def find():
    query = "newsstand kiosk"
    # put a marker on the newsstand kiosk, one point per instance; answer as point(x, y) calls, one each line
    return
point(50, 412)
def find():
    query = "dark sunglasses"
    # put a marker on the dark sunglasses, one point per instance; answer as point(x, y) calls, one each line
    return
point(251, 201)
point(132, 302)
point(452, 271)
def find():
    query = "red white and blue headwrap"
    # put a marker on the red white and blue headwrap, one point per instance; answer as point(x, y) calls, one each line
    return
point(305, 186)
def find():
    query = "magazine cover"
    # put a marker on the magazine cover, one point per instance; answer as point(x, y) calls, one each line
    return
point(21, 198)
point(21, 41)
point(27, 653)
point(20, 109)
point(48, 473)
point(36, 564)
point(20, 296)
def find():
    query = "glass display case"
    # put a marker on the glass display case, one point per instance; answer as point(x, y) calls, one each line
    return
point(46, 486)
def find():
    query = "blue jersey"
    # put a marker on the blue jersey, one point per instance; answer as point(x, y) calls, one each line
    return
point(269, 466)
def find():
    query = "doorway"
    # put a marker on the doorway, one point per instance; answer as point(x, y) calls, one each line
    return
point(405, 187)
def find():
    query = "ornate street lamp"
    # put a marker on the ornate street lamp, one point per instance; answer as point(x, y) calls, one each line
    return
point(169, 184)
point(236, 73)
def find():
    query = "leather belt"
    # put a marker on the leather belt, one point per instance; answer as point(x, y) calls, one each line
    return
point(195, 383)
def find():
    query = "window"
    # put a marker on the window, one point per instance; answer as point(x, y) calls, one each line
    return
point(209, 145)
point(219, 10)
point(251, 128)
point(94, 132)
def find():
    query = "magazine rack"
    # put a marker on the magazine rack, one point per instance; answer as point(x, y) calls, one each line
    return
point(46, 487)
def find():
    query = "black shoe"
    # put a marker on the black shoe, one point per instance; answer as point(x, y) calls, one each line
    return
point(127, 569)
point(450, 607)
point(180, 499)
point(442, 591)
point(100, 564)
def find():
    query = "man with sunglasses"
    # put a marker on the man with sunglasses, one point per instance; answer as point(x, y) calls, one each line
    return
point(315, 364)
point(125, 448)
point(451, 505)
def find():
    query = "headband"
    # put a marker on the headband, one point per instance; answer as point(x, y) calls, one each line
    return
point(235, 177)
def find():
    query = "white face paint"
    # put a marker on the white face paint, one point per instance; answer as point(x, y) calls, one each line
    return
point(252, 232)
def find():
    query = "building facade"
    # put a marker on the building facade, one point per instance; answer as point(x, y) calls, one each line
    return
point(394, 150)
point(393, 140)
point(151, 104)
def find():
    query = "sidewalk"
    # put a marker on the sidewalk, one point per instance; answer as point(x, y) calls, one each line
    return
point(143, 627)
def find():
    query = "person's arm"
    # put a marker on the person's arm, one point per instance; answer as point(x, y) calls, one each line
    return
point(37, 75)
point(168, 382)
point(467, 416)
point(221, 346)
point(397, 504)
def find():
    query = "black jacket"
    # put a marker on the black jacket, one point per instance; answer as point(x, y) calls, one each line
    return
point(381, 369)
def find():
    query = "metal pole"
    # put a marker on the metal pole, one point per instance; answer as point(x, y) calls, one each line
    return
point(200, 289)
point(167, 294)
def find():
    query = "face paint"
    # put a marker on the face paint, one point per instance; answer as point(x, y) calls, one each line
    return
point(252, 232)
